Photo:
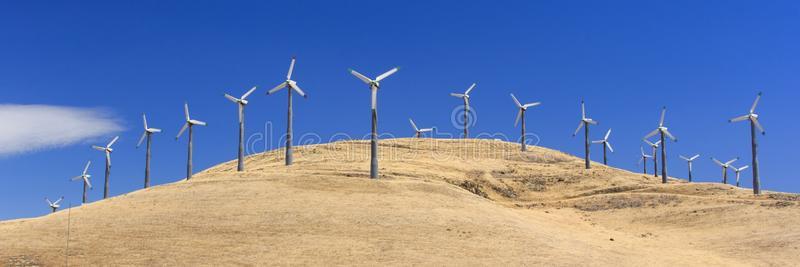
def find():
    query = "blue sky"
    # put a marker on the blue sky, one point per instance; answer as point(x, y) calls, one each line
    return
point(106, 63)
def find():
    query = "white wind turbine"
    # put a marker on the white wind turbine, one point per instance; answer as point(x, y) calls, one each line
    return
point(737, 171)
point(292, 87)
point(54, 205)
point(725, 166)
point(521, 116)
point(689, 161)
point(654, 147)
point(664, 133)
point(753, 117)
point(189, 123)
point(417, 131)
point(240, 103)
point(107, 149)
point(465, 97)
point(148, 132)
point(585, 122)
point(85, 177)
point(606, 144)
point(374, 85)
point(644, 159)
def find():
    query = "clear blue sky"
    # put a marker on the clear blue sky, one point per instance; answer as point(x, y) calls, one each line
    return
point(704, 60)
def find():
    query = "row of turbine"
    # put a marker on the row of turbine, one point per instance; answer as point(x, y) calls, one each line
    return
point(374, 86)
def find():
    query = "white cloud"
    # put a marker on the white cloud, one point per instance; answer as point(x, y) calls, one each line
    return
point(27, 128)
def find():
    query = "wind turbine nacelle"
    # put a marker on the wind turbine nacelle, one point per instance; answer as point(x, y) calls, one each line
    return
point(753, 116)
point(244, 102)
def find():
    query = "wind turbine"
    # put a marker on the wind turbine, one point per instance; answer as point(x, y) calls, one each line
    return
point(521, 116)
point(292, 86)
point(374, 85)
point(664, 132)
point(418, 131)
point(54, 205)
point(689, 161)
point(148, 132)
point(585, 122)
point(725, 167)
point(189, 123)
point(606, 144)
point(737, 171)
point(644, 159)
point(241, 102)
point(465, 97)
point(753, 117)
point(654, 146)
point(107, 149)
point(85, 177)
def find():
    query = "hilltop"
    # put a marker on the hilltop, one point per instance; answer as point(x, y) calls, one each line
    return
point(438, 202)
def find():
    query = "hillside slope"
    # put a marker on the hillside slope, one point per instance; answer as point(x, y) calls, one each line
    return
point(438, 202)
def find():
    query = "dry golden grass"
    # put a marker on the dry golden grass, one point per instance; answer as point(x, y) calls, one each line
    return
point(438, 202)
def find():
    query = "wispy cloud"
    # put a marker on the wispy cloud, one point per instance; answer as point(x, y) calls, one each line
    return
point(28, 128)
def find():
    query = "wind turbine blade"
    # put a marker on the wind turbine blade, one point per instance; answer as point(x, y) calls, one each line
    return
point(186, 110)
point(758, 126)
point(607, 134)
point(579, 128)
point(519, 115)
point(531, 104)
point(144, 117)
point(591, 121)
point(374, 93)
point(470, 89)
point(86, 179)
point(583, 110)
point(360, 76)
point(744, 167)
point(684, 158)
point(731, 161)
point(657, 143)
point(694, 157)
point(642, 149)
point(298, 90)
point(597, 142)
point(231, 98)
point(154, 130)
point(386, 74)
point(651, 134)
point(141, 139)
point(609, 147)
point(245, 95)
point(516, 101)
point(755, 103)
point(86, 169)
point(291, 69)
point(457, 95)
point(99, 148)
point(277, 88)
point(413, 125)
point(718, 162)
point(112, 141)
point(196, 122)
point(648, 142)
point(183, 129)
point(666, 132)
point(663, 112)
point(76, 178)
point(740, 118)
point(48, 202)
point(57, 201)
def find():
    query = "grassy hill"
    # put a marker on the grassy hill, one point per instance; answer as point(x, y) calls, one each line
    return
point(438, 202)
